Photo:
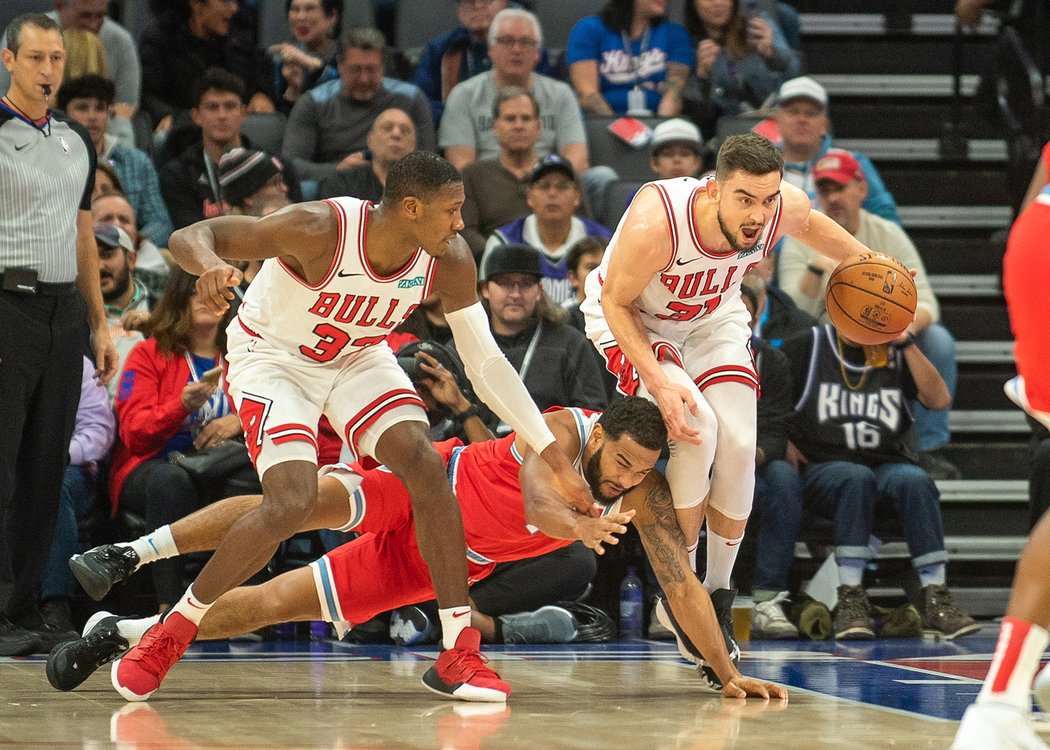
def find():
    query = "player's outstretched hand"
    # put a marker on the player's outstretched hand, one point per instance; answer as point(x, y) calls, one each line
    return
point(745, 687)
point(214, 286)
point(594, 532)
point(673, 400)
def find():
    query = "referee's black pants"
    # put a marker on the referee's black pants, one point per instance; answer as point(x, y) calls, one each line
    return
point(41, 349)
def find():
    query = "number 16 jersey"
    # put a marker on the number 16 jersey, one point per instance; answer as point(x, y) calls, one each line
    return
point(353, 307)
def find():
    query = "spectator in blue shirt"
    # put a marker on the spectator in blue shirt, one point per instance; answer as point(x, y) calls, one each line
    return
point(629, 58)
point(88, 100)
point(802, 117)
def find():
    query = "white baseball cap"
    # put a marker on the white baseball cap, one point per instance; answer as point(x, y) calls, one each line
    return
point(803, 87)
point(676, 130)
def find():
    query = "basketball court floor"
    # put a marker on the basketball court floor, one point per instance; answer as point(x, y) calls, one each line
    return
point(883, 694)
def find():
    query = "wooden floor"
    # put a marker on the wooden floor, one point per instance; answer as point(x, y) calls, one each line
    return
point(902, 694)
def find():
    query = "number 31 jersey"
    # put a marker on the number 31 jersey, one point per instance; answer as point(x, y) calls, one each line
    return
point(353, 307)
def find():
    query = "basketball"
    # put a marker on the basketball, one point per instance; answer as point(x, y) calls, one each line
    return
point(871, 298)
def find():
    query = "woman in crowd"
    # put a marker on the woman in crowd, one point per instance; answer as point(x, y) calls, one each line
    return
point(168, 402)
point(742, 57)
point(629, 58)
point(311, 58)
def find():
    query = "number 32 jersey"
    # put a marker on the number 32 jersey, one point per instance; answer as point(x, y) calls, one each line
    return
point(353, 307)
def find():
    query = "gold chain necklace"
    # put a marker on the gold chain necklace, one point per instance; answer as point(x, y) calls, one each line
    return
point(842, 368)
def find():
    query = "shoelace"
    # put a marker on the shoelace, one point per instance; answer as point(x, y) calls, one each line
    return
point(463, 663)
point(155, 655)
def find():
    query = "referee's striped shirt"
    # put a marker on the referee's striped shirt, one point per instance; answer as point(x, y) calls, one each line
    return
point(47, 174)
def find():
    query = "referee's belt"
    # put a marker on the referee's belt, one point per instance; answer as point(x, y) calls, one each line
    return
point(47, 288)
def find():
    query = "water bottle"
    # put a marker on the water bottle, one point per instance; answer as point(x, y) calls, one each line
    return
point(631, 605)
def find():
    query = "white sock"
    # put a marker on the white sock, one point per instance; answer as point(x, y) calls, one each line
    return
point(721, 556)
point(133, 630)
point(931, 575)
point(851, 570)
point(691, 551)
point(157, 545)
point(1017, 653)
point(190, 607)
point(454, 620)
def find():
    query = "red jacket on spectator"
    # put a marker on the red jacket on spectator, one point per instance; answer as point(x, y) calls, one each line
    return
point(149, 410)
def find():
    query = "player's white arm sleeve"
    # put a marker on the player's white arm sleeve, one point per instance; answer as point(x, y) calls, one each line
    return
point(492, 376)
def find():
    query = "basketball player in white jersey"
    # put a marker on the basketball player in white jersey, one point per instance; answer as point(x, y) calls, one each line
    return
point(309, 340)
point(664, 309)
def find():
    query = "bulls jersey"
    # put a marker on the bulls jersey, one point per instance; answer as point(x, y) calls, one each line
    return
point(846, 411)
point(696, 286)
point(351, 308)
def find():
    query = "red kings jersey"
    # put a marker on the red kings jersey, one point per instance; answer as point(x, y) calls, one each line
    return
point(484, 477)
point(696, 283)
point(351, 308)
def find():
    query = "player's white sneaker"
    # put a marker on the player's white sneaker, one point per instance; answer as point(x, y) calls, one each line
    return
point(996, 726)
point(1014, 388)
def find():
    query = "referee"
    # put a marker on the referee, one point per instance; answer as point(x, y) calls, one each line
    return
point(47, 253)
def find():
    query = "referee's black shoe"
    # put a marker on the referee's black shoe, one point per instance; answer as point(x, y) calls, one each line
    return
point(101, 567)
point(16, 641)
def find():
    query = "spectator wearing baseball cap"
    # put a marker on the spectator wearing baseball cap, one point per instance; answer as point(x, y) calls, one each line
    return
point(842, 187)
point(677, 149)
point(127, 299)
point(553, 359)
point(804, 125)
point(553, 196)
point(741, 59)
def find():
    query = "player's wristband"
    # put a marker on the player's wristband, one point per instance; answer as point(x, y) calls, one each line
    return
point(463, 416)
point(909, 340)
point(815, 270)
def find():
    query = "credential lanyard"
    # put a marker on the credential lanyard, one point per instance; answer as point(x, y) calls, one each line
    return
point(642, 48)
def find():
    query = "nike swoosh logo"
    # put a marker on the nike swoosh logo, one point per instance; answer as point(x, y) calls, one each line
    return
point(188, 601)
point(460, 614)
point(680, 262)
point(732, 544)
point(19, 148)
point(345, 275)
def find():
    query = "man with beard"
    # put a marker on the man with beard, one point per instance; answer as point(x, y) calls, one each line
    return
point(122, 292)
point(505, 491)
point(664, 310)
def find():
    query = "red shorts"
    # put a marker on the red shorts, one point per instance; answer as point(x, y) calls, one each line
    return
point(377, 572)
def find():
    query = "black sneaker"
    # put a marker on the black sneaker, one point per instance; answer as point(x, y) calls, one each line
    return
point(99, 568)
point(853, 619)
point(686, 648)
point(16, 641)
point(410, 626)
point(73, 662)
point(722, 599)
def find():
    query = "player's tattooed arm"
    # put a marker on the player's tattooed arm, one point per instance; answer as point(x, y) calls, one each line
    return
point(663, 539)
point(664, 544)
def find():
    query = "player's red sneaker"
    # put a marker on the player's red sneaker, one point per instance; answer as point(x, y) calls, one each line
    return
point(138, 674)
point(461, 673)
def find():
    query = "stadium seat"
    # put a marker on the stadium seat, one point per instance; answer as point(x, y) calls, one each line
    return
point(617, 196)
point(606, 148)
point(557, 17)
point(418, 23)
point(265, 130)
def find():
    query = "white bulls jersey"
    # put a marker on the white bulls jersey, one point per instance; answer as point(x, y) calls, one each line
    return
point(353, 307)
point(696, 283)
